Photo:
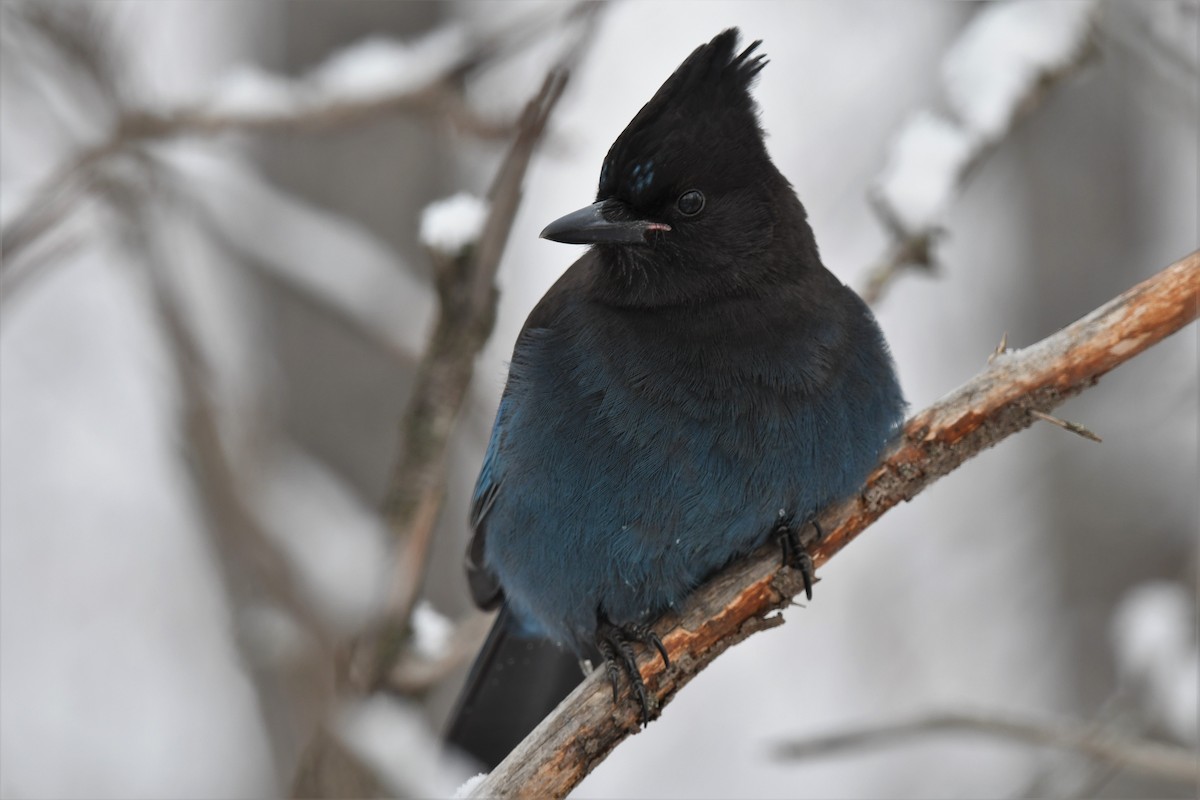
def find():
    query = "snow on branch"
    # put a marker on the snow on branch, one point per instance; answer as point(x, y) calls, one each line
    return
point(452, 225)
point(999, 69)
point(748, 596)
point(365, 81)
point(362, 80)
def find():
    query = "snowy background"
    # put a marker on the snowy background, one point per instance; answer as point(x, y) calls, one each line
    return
point(1052, 578)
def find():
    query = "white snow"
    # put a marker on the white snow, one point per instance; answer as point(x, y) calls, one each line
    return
point(993, 66)
point(367, 70)
point(469, 786)
point(1154, 638)
point(449, 225)
point(924, 164)
point(380, 66)
point(431, 631)
point(1007, 48)
point(250, 91)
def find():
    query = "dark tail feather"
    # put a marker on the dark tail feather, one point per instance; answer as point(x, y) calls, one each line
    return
point(513, 685)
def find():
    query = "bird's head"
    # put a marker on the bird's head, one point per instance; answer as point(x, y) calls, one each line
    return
point(689, 204)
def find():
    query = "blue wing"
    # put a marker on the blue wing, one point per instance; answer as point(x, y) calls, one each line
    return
point(485, 587)
point(489, 474)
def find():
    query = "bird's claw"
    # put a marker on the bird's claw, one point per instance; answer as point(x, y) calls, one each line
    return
point(615, 643)
point(794, 554)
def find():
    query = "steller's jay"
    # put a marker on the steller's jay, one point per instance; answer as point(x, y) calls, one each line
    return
point(695, 384)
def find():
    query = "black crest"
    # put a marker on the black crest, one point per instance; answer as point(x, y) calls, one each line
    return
point(709, 95)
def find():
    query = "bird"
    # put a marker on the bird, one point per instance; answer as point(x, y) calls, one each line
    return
point(694, 385)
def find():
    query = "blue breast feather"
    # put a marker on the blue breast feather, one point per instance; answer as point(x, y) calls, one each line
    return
point(613, 488)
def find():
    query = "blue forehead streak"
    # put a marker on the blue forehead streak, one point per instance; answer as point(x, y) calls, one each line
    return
point(643, 176)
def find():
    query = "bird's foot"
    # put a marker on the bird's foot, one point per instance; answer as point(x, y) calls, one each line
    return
point(615, 643)
point(794, 554)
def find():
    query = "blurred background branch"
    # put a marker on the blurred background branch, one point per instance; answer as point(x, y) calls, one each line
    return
point(991, 79)
point(1154, 759)
point(362, 84)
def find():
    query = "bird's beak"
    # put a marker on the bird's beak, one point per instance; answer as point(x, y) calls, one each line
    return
point(601, 223)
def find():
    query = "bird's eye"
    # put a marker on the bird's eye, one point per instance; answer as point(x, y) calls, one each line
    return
point(690, 203)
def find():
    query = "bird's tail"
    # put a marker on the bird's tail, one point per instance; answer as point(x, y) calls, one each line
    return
point(513, 685)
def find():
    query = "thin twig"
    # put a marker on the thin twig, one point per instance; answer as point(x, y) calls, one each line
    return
point(747, 596)
point(1073, 427)
point(1113, 718)
point(1001, 348)
point(1152, 759)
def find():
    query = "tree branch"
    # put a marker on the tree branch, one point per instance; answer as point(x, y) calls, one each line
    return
point(1153, 759)
point(57, 196)
point(746, 596)
point(466, 313)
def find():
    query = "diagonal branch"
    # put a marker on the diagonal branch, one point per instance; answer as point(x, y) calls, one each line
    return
point(747, 596)
point(467, 307)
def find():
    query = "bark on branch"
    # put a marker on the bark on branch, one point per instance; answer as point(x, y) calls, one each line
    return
point(747, 596)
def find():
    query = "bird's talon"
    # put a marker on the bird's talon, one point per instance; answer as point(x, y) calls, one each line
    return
point(661, 648)
point(646, 635)
point(794, 554)
point(804, 563)
point(615, 644)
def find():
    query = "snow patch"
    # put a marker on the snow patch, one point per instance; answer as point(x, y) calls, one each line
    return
point(1005, 52)
point(250, 91)
point(469, 786)
point(380, 66)
point(450, 225)
point(372, 69)
point(431, 631)
point(1154, 638)
point(993, 68)
point(923, 167)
